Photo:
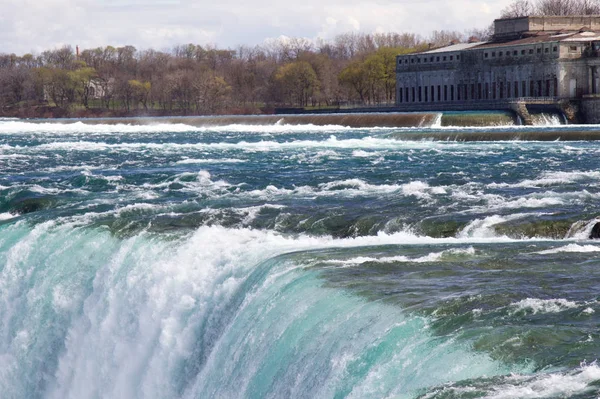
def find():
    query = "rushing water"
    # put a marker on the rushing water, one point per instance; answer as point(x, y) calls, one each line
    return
point(172, 261)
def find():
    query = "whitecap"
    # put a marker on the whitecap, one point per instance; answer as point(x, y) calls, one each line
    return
point(535, 305)
point(571, 248)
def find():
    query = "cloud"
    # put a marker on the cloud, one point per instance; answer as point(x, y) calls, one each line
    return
point(27, 25)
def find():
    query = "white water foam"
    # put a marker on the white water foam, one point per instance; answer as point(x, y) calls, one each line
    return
point(554, 385)
point(557, 178)
point(22, 127)
point(432, 257)
point(485, 227)
point(7, 216)
point(189, 161)
point(130, 316)
point(572, 248)
point(535, 305)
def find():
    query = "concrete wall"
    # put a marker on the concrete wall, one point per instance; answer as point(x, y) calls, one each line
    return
point(511, 27)
point(555, 23)
point(590, 109)
point(571, 50)
point(508, 27)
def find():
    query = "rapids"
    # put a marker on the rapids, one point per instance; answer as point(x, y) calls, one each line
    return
point(170, 260)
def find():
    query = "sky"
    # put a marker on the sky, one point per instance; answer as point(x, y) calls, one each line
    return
point(32, 26)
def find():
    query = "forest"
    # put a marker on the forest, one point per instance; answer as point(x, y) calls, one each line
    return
point(351, 70)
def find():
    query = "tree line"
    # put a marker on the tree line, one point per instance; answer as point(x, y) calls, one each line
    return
point(522, 8)
point(352, 69)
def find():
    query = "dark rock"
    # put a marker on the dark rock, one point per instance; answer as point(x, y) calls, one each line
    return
point(595, 234)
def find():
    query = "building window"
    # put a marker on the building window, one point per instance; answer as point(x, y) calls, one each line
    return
point(458, 57)
point(432, 93)
point(445, 93)
point(406, 61)
point(431, 59)
point(493, 53)
point(522, 52)
point(414, 97)
point(516, 89)
point(439, 93)
point(418, 60)
point(438, 59)
point(451, 57)
point(515, 52)
point(425, 92)
point(500, 54)
point(546, 50)
point(424, 59)
point(554, 49)
point(486, 55)
point(539, 50)
point(412, 61)
point(531, 88)
point(572, 49)
point(530, 51)
point(444, 58)
point(524, 89)
point(400, 95)
point(420, 97)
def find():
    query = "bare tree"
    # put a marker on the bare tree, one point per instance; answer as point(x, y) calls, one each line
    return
point(518, 8)
point(556, 7)
point(588, 7)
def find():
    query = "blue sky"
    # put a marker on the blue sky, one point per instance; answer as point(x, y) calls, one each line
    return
point(34, 25)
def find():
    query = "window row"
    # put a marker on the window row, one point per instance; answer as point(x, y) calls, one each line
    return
point(486, 55)
point(478, 91)
point(430, 59)
point(515, 53)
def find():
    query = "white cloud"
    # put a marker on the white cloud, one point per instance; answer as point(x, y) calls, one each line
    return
point(28, 25)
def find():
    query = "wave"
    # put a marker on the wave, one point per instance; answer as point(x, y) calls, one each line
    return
point(535, 305)
point(256, 146)
point(572, 248)
point(431, 257)
point(87, 128)
point(188, 161)
point(579, 383)
point(6, 216)
point(220, 312)
point(552, 179)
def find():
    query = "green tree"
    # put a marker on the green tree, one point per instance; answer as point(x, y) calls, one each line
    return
point(140, 92)
point(81, 82)
point(354, 76)
point(298, 82)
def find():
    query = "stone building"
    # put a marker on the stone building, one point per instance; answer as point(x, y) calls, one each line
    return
point(529, 57)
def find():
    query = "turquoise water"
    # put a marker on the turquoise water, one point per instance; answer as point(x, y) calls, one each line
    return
point(172, 261)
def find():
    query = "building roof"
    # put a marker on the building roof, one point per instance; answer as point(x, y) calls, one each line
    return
point(529, 38)
point(453, 47)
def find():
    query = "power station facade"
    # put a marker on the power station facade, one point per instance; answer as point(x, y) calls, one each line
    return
point(529, 57)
